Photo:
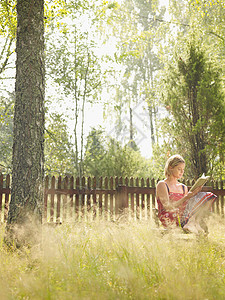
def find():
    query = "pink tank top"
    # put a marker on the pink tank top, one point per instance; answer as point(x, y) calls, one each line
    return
point(169, 217)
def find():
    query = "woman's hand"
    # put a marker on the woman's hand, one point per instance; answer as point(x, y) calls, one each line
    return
point(193, 193)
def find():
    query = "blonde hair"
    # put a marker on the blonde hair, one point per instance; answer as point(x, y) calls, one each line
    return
point(172, 162)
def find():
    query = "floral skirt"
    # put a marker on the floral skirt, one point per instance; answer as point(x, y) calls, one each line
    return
point(181, 216)
point(195, 204)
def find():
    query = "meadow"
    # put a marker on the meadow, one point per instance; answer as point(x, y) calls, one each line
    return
point(116, 260)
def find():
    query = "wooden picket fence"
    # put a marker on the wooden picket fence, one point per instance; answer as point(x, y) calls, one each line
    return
point(69, 199)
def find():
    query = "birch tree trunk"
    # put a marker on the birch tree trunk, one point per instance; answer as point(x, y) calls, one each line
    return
point(28, 140)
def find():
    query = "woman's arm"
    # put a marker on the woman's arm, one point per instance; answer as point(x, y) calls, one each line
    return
point(162, 194)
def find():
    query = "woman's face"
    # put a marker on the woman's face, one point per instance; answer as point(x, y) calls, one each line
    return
point(178, 171)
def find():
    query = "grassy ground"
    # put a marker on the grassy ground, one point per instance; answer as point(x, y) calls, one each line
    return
point(104, 260)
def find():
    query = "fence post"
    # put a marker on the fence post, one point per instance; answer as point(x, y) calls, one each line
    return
point(46, 198)
point(121, 198)
point(58, 205)
point(222, 200)
point(52, 205)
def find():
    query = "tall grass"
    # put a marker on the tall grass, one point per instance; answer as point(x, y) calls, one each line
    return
point(106, 260)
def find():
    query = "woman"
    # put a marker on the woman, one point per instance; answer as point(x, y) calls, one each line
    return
point(178, 206)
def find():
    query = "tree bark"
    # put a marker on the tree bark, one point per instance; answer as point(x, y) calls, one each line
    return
point(28, 136)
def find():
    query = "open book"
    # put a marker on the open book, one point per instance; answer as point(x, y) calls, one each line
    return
point(199, 182)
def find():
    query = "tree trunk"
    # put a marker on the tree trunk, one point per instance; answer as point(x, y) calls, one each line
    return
point(28, 139)
point(197, 140)
point(76, 98)
point(150, 110)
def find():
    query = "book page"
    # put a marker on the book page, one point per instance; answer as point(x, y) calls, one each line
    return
point(199, 182)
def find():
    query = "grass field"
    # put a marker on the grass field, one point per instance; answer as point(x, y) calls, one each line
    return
point(106, 260)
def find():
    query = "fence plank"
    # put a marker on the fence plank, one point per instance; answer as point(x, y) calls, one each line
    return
point(77, 198)
point(111, 198)
point(142, 194)
point(89, 195)
point(153, 193)
point(132, 194)
point(71, 196)
point(149, 215)
point(100, 197)
point(137, 200)
point(106, 197)
point(94, 197)
point(58, 205)
point(88, 202)
point(116, 202)
point(83, 187)
point(222, 200)
point(46, 185)
point(65, 198)
point(52, 199)
point(122, 198)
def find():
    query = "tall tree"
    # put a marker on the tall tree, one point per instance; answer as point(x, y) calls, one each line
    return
point(74, 65)
point(205, 18)
point(205, 21)
point(28, 139)
point(193, 94)
point(6, 132)
point(138, 44)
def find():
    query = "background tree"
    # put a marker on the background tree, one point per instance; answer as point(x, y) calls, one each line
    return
point(6, 138)
point(59, 154)
point(94, 154)
point(28, 139)
point(74, 65)
point(193, 93)
point(108, 157)
point(8, 32)
point(138, 41)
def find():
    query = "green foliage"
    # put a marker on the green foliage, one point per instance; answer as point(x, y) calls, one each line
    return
point(6, 133)
point(94, 153)
point(55, 9)
point(73, 64)
point(59, 154)
point(210, 13)
point(8, 25)
point(72, 58)
point(159, 156)
point(205, 19)
point(8, 18)
point(107, 157)
point(193, 93)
